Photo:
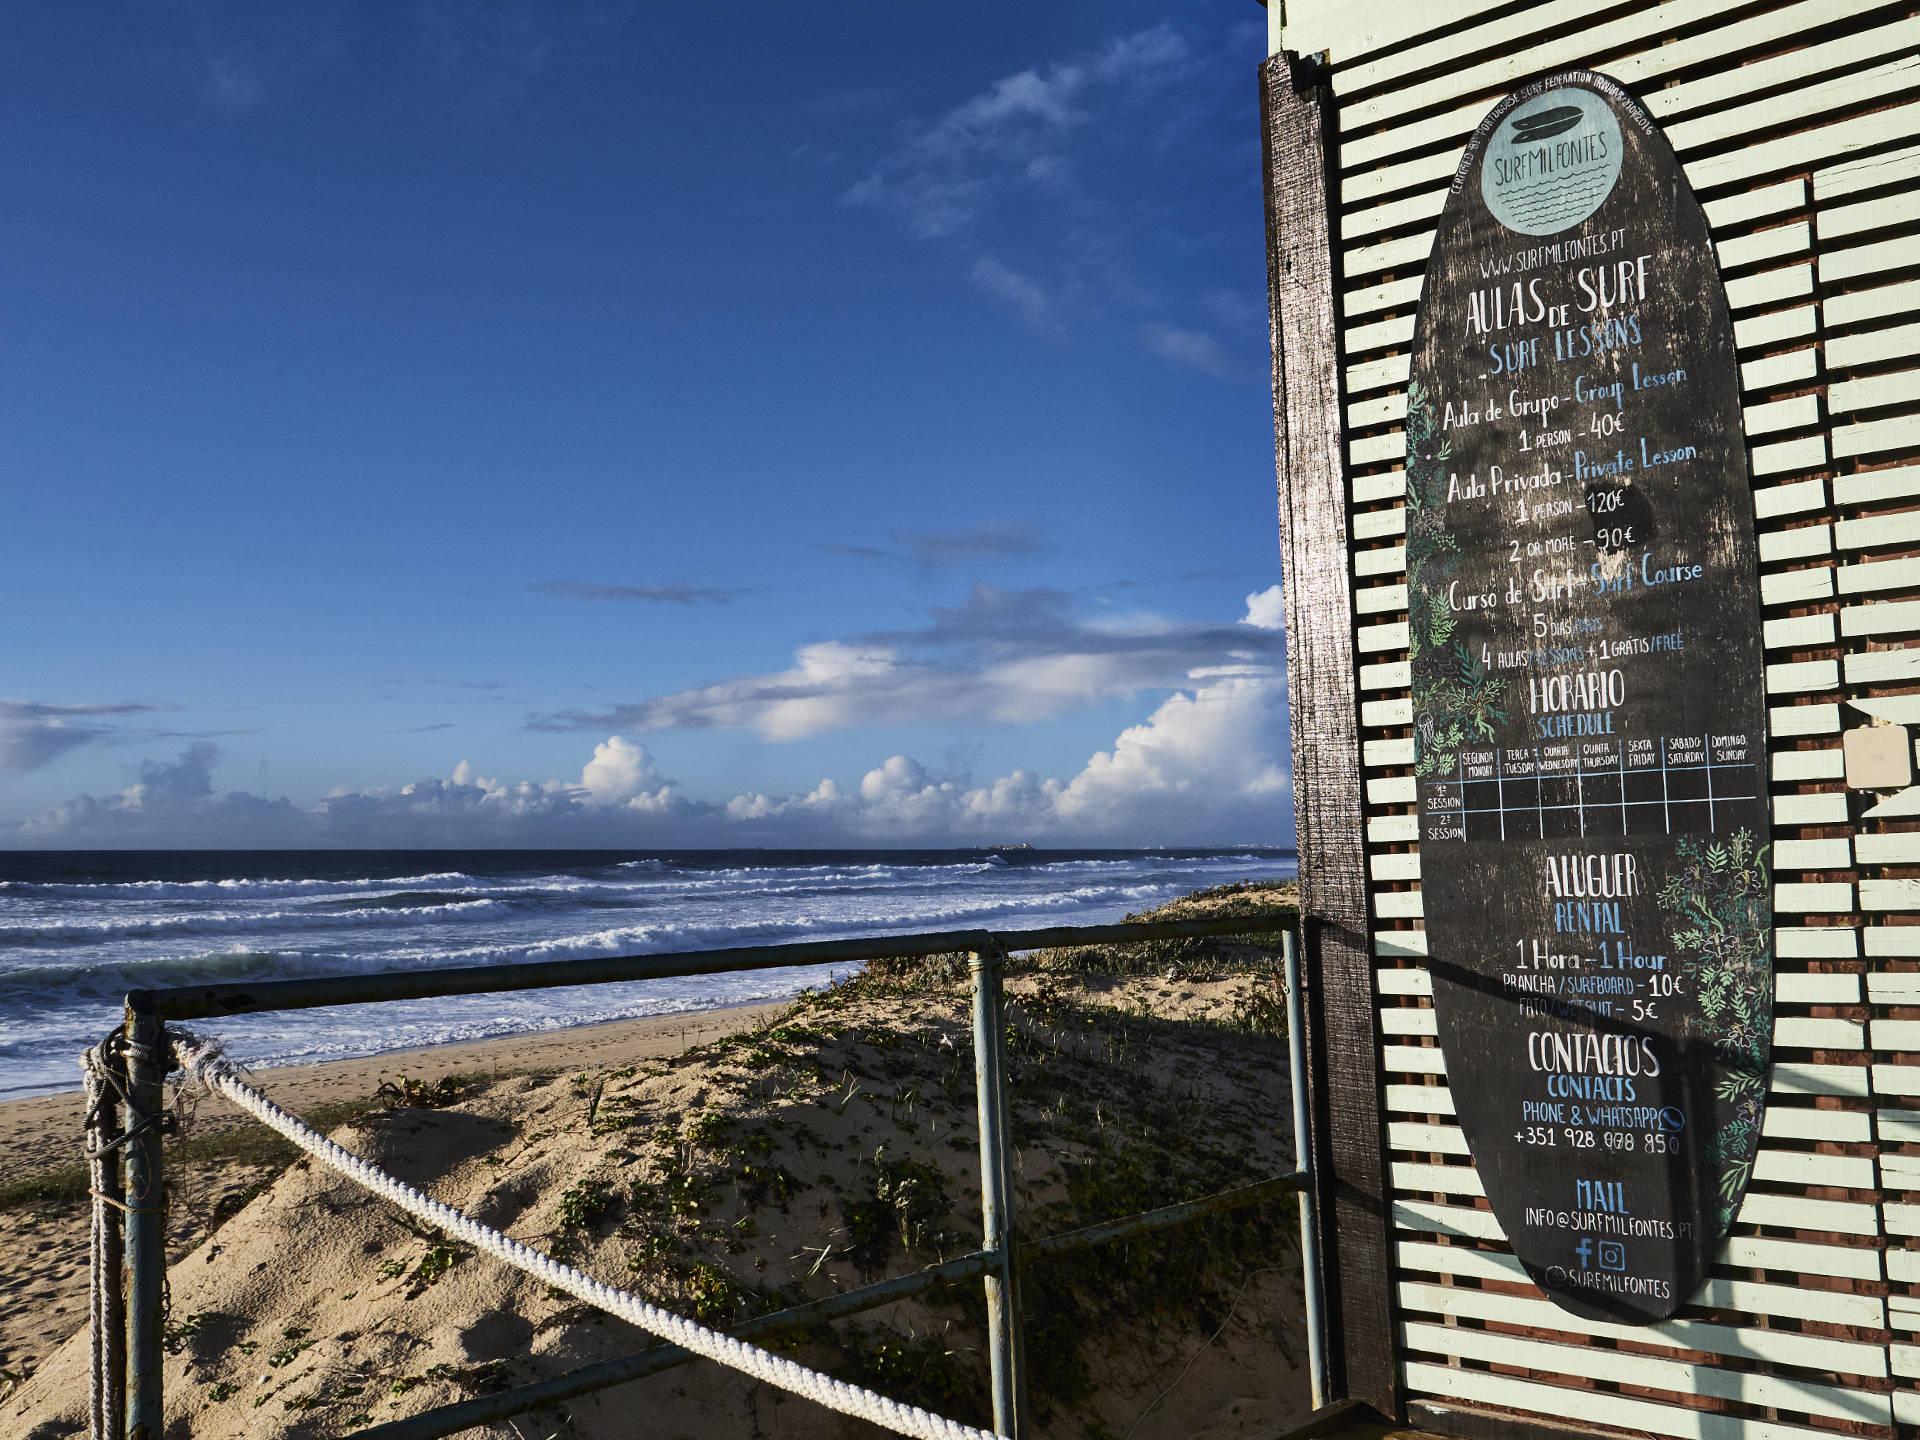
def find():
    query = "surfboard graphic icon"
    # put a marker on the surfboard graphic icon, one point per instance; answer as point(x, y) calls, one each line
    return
point(1545, 124)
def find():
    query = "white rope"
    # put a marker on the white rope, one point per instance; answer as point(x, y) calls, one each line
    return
point(103, 1401)
point(202, 1062)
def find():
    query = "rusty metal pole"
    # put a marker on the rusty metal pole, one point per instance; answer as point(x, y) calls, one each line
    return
point(144, 1186)
point(1004, 1349)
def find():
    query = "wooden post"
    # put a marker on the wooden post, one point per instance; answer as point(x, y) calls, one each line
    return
point(1349, 1140)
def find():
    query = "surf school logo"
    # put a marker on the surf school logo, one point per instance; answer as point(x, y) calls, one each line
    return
point(1552, 161)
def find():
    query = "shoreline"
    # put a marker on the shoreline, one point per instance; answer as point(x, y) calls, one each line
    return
point(40, 1134)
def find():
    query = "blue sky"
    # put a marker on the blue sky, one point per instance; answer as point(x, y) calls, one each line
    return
point(435, 423)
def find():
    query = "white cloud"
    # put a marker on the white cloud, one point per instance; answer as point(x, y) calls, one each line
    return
point(1015, 134)
point(172, 805)
point(1266, 609)
point(1219, 745)
point(1003, 657)
point(1209, 764)
point(622, 773)
point(1033, 188)
point(1195, 349)
point(1022, 295)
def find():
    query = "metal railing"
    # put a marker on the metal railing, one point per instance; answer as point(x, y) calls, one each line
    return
point(128, 1316)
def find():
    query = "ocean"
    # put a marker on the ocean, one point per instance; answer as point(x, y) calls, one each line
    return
point(78, 930)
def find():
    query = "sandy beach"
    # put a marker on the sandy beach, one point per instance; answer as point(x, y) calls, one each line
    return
point(42, 1133)
point(43, 1254)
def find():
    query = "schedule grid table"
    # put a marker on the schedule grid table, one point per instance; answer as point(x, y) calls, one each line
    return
point(1592, 786)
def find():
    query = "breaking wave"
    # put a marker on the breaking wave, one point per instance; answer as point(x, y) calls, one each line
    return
point(73, 941)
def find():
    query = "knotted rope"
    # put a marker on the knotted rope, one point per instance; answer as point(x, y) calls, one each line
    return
point(203, 1062)
point(104, 1328)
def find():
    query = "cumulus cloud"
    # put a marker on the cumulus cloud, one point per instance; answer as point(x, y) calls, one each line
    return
point(1003, 657)
point(172, 805)
point(620, 797)
point(1207, 766)
point(34, 733)
point(1267, 609)
point(623, 773)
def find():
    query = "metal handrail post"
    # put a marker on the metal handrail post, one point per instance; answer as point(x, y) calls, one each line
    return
point(143, 1188)
point(996, 1196)
point(1303, 1163)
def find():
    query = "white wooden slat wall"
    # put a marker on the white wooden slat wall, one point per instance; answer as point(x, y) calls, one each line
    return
point(1799, 125)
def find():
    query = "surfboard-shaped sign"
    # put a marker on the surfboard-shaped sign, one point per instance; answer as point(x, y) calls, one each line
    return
point(1588, 701)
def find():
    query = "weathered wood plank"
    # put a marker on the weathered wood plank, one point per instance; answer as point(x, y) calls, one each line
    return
point(1846, 352)
point(1812, 1352)
point(1508, 62)
point(1807, 148)
point(1796, 497)
point(1877, 214)
point(1597, 1407)
point(1759, 204)
point(1853, 176)
point(1799, 632)
point(1876, 304)
point(1877, 575)
point(1798, 989)
point(1862, 1407)
point(1900, 387)
point(1349, 1134)
point(1797, 587)
point(1875, 436)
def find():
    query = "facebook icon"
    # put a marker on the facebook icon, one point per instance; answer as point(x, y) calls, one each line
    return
point(1585, 1251)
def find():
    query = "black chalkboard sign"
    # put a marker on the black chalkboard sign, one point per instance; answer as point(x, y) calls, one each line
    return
point(1588, 701)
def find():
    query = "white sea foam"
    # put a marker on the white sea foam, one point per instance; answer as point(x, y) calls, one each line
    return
point(71, 944)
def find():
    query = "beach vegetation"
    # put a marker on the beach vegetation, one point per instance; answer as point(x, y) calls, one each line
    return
point(906, 1201)
point(583, 1205)
point(711, 1128)
point(176, 1333)
point(409, 1093)
point(438, 1260)
point(679, 1194)
point(924, 1370)
point(711, 1291)
point(651, 1249)
point(297, 1341)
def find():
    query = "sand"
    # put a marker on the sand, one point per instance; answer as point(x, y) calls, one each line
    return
point(43, 1250)
point(43, 1133)
point(821, 1147)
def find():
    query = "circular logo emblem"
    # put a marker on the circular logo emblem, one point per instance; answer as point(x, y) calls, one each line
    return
point(1551, 161)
